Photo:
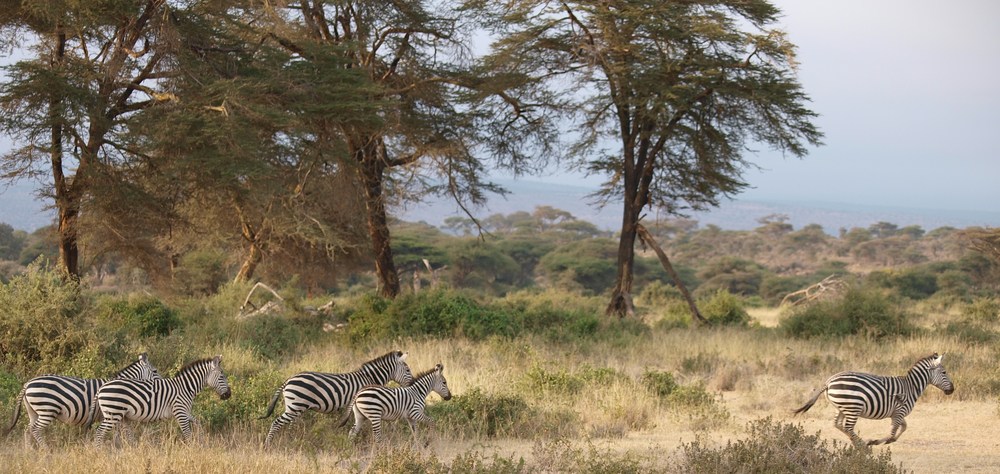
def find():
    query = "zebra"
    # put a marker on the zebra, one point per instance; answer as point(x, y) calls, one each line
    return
point(377, 403)
point(124, 400)
point(857, 394)
point(325, 393)
point(72, 400)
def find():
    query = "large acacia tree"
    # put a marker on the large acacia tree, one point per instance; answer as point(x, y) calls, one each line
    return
point(670, 97)
point(92, 66)
point(438, 116)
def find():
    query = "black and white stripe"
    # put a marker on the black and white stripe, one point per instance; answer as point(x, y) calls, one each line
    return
point(324, 392)
point(134, 400)
point(377, 403)
point(860, 395)
point(71, 400)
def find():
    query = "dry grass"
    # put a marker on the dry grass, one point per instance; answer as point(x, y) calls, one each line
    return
point(753, 374)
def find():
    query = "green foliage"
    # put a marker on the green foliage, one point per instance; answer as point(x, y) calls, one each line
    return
point(406, 460)
point(916, 283)
point(775, 447)
point(586, 263)
point(661, 384)
point(201, 272)
point(562, 456)
point(724, 309)
point(860, 311)
point(478, 414)
point(39, 324)
point(142, 317)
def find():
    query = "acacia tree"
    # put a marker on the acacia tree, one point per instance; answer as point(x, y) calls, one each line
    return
point(94, 64)
point(438, 116)
point(670, 96)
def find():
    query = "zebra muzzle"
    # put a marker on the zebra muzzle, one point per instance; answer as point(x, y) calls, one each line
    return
point(226, 395)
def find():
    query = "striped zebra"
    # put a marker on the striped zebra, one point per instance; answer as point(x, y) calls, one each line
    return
point(121, 401)
point(326, 393)
point(71, 400)
point(377, 403)
point(857, 394)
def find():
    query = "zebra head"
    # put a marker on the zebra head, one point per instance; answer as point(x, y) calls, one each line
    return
point(216, 378)
point(400, 371)
point(939, 376)
point(141, 369)
point(439, 384)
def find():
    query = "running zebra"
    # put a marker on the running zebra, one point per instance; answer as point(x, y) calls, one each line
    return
point(392, 403)
point(124, 400)
point(71, 400)
point(325, 392)
point(875, 397)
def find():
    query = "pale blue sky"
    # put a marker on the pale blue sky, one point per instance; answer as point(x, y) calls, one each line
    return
point(907, 92)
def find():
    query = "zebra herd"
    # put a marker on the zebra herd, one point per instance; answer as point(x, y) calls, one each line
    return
point(138, 393)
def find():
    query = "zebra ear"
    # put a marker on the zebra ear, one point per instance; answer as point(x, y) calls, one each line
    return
point(217, 359)
point(143, 357)
point(402, 355)
point(439, 367)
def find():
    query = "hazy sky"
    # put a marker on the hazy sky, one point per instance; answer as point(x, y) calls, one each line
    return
point(907, 92)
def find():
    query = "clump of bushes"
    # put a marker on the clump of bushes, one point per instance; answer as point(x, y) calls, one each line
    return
point(859, 312)
point(724, 309)
point(781, 447)
point(142, 317)
point(478, 414)
point(40, 324)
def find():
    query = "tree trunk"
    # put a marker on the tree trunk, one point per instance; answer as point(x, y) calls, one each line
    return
point(67, 200)
point(255, 254)
point(372, 171)
point(621, 296)
point(644, 234)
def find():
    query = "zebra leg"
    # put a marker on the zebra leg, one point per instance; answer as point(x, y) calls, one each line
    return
point(107, 424)
point(359, 420)
point(184, 420)
point(845, 423)
point(421, 417)
point(285, 418)
point(898, 427)
point(126, 433)
point(37, 426)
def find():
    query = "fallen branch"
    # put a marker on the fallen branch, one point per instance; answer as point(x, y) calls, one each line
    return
point(828, 286)
point(266, 308)
point(647, 239)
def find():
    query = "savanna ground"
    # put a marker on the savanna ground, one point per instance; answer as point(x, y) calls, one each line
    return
point(643, 402)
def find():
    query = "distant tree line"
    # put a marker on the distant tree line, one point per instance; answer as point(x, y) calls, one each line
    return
point(551, 249)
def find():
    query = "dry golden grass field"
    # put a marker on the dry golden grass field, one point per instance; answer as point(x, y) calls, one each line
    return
point(589, 405)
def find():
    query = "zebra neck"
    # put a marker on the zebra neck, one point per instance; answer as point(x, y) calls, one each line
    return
point(374, 375)
point(422, 386)
point(917, 380)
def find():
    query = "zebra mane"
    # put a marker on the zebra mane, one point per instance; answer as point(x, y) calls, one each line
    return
point(383, 357)
point(928, 361)
point(127, 367)
point(426, 373)
point(192, 364)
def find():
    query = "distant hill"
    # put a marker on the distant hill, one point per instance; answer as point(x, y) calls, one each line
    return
point(20, 209)
point(731, 215)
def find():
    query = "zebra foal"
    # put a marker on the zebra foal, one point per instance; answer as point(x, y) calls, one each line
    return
point(326, 392)
point(392, 403)
point(857, 394)
point(71, 400)
point(137, 400)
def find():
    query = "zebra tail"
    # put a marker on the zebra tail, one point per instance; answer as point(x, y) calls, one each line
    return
point(274, 401)
point(347, 416)
point(17, 411)
point(811, 402)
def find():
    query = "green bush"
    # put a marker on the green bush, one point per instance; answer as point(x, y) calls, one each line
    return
point(774, 447)
point(859, 311)
point(143, 317)
point(40, 320)
point(477, 414)
point(724, 309)
point(661, 384)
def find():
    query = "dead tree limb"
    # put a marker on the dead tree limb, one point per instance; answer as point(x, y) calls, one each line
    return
point(824, 288)
point(647, 239)
point(267, 307)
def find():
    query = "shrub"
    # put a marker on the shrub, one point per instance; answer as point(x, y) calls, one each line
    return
point(781, 447)
point(859, 311)
point(477, 414)
point(40, 320)
point(143, 317)
point(724, 309)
